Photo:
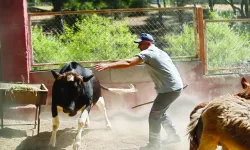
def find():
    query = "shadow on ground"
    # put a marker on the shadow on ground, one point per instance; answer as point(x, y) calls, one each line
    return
point(40, 142)
point(12, 133)
point(64, 139)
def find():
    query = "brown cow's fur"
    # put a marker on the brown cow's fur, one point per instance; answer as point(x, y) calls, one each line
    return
point(224, 121)
point(199, 106)
point(195, 126)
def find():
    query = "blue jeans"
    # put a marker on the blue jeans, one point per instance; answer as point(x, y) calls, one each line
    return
point(158, 116)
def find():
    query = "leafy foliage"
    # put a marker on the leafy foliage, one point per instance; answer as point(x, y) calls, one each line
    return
point(228, 44)
point(226, 48)
point(46, 48)
point(104, 4)
point(221, 15)
point(86, 5)
point(182, 44)
point(227, 41)
point(97, 38)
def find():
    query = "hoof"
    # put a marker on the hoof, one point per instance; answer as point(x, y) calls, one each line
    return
point(76, 147)
point(108, 128)
point(86, 126)
point(52, 145)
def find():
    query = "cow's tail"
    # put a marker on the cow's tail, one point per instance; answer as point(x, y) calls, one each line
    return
point(131, 89)
point(195, 126)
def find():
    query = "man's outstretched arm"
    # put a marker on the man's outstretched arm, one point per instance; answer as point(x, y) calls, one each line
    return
point(119, 64)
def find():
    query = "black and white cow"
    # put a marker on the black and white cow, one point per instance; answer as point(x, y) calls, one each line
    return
point(76, 89)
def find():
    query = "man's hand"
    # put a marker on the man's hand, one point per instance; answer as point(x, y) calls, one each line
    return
point(100, 67)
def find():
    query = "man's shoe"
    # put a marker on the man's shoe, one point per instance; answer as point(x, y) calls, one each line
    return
point(150, 146)
point(171, 139)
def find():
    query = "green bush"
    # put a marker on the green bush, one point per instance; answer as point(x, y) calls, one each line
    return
point(182, 44)
point(221, 15)
point(226, 48)
point(46, 48)
point(227, 41)
point(97, 38)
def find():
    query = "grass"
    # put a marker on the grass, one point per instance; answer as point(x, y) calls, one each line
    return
point(20, 87)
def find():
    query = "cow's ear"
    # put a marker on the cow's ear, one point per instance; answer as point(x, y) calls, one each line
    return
point(87, 78)
point(55, 74)
point(244, 83)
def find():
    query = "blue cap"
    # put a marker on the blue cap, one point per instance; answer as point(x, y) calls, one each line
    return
point(146, 37)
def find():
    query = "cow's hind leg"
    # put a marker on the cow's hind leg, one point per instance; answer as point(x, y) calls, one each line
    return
point(81, 124)
point(55, 125)
point(87, 122)
point(208, 142)
point(101, 105)
point(224, 147)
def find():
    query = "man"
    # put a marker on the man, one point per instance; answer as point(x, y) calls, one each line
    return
point(168, 85)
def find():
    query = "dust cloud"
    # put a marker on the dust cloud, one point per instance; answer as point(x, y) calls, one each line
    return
point(129, 129)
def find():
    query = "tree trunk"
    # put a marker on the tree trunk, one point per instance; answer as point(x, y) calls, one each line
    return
point(57, 6)
point(164, 3)
point(180, 3)
point(211, 5)
point(160, 13)
point(230, 2)
point(158, 2)
point(244, 8)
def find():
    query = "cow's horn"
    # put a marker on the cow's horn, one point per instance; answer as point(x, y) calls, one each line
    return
point(55, 74)
point(87, 78)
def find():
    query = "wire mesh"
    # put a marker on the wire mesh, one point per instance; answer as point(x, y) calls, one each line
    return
point(227, 46)
point(108, 35)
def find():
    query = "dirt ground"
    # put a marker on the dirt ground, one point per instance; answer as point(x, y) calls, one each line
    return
point(130, 130)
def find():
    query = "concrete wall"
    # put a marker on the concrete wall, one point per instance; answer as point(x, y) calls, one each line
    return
point(201, 88)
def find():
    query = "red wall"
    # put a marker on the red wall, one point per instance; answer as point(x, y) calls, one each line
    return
point(14, 41)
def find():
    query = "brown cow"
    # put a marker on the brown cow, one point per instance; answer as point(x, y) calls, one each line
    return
point(222, 121)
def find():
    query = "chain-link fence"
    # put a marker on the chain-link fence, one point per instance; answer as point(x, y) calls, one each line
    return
point(108, 35)
point(227, 46)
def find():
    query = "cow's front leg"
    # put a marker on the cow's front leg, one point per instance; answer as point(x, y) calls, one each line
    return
point(55, 125)
point(81, 124)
